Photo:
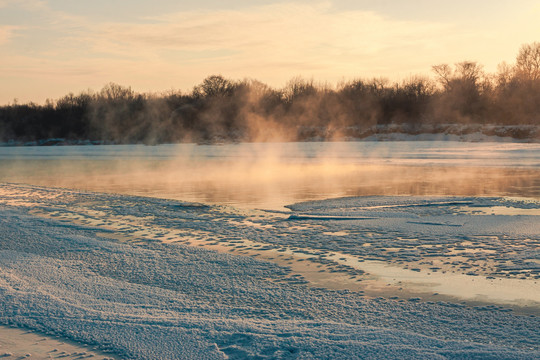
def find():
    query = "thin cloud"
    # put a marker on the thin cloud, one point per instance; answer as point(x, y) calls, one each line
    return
point(315, 38)
point(271, 43)
point(31, 5)
point(7, 32)
point(283, 29)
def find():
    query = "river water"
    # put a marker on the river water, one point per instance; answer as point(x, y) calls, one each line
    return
point(271, 175)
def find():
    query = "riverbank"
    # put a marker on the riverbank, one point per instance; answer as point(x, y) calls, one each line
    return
point(393, 132)
point(18, 343)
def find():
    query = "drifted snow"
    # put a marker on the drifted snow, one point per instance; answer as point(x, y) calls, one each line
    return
point(116, 271)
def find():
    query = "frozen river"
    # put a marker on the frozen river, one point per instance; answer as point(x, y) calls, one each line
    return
point(272, 175)
point(449, 271)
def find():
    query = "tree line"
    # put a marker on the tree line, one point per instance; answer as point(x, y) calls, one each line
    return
point(220, 109)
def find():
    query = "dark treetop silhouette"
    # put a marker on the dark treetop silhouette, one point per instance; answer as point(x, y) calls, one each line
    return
point(462, 98)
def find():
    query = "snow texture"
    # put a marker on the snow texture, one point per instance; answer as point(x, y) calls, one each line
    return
point(63, 272)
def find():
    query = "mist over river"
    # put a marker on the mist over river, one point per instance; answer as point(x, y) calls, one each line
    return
point(272, 175)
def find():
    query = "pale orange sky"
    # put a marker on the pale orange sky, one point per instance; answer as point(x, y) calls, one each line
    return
point(50, 48)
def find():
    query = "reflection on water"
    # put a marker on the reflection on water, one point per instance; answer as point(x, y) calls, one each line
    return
point(274, 175)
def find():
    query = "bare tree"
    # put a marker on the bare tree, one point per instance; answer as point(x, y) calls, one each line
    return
point(114, 92)
point(444, 74)
point(298, 87)
point(504, 74)
point(528, 61)
point(214, 86)
point(465, 71)
point(469, 71)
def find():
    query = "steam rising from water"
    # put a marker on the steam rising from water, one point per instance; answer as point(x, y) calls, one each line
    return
point(274, 175)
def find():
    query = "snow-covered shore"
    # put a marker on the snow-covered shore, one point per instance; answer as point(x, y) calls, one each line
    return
point(392, 132)
point(26, 344)
point(141, 277)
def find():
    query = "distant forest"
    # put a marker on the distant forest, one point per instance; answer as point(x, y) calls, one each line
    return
point(458, 98)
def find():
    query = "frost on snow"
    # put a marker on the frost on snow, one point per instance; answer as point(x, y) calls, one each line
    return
point(127, 274)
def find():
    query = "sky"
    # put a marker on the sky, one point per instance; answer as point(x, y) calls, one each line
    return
point(49, 48)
